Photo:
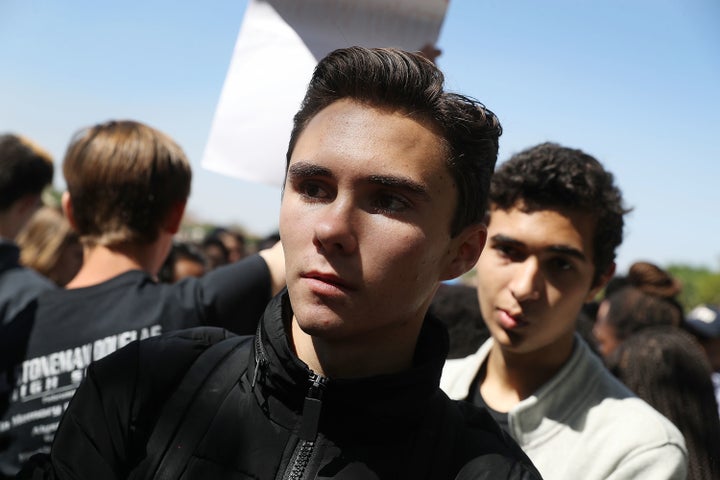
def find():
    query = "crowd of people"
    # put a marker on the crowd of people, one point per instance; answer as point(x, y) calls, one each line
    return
point(340, 346)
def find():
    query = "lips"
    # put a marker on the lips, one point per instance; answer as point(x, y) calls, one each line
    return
point(511, 321)
point(326, 280)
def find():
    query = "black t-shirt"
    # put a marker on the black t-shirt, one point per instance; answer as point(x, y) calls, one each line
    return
point(65, 330)
point(18, 285)
point(476, 398)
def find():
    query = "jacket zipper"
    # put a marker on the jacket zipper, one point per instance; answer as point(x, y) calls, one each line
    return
point(308, 428)
point(260, 356)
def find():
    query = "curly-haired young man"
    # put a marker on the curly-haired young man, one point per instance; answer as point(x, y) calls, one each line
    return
point(555, 220)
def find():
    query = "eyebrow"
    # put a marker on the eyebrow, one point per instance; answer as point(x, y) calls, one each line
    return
point(402, 183)
point(304, 169)
point(561, 249)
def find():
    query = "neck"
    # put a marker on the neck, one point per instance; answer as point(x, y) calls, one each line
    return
point(101, 263)
point(375, 354)
point(512, 377)
point(8, 229)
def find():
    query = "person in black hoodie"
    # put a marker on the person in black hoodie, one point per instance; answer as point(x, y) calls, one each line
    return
point(386, 187)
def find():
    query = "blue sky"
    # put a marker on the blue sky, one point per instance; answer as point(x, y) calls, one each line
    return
point(634, 83)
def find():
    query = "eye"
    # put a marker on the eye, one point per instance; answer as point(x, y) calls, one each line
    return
point(560, 264)
point(390, 203)
point(312, 190)
point(508, 252)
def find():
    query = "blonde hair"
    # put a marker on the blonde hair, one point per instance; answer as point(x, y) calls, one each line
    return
point(43, 241)
point(124, 178)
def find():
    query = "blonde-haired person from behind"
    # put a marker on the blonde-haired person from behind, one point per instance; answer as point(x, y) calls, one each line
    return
point(50, 246)
point(127, 186)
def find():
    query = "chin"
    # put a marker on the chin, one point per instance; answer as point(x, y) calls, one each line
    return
point(509, 340)
point(316, 320)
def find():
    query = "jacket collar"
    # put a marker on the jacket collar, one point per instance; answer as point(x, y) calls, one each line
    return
point(352, 404)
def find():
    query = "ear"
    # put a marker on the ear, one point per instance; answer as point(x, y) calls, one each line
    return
point(601, 282)
point(175, 216)
point(67, 207)
point(465, 250)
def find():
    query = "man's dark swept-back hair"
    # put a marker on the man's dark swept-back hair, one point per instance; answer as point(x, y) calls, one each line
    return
point(550, 176)
point(410, 83)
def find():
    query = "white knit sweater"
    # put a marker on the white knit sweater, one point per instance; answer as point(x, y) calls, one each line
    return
point(583, 423)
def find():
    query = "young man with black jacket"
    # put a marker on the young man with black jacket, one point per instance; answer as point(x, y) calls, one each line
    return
point(385, 191)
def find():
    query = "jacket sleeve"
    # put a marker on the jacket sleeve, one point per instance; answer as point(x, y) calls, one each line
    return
point(668, 462)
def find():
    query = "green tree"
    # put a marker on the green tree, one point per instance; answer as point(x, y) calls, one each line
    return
point(700, 284)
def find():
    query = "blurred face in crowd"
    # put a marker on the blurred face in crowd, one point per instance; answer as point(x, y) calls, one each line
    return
point(533, 278)
point(187, 267)
point(604, 332)
point(365, 224)
point(235, 248)
point(215, 255)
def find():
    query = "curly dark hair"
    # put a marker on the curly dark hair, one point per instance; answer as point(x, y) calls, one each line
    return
point(550, 175)
point(410, 83)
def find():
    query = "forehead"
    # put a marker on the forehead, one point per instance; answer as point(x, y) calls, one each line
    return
point(541, 229)
point(350, 137)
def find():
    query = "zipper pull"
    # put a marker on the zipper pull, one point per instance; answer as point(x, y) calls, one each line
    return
point(311, 408)
point(255, 373)
point(260, 358)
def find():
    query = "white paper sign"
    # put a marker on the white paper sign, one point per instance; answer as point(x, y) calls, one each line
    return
point(279, 43)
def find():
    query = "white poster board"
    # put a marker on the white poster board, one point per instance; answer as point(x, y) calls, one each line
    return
point(279, 43)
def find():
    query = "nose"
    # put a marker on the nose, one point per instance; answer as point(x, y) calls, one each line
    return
point(527, 281)
point(335, 228)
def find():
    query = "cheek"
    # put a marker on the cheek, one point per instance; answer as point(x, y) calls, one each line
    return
point(488, 285)
point(405, 257)
point(569, 296)
point(292, 224)
point(491, 277)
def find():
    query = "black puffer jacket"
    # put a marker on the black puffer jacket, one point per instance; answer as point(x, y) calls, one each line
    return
point(280, 420)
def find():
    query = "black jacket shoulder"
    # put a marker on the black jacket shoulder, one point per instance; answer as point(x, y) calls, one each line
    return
point(135, 381)
point(158, 364)
point(503, 457)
